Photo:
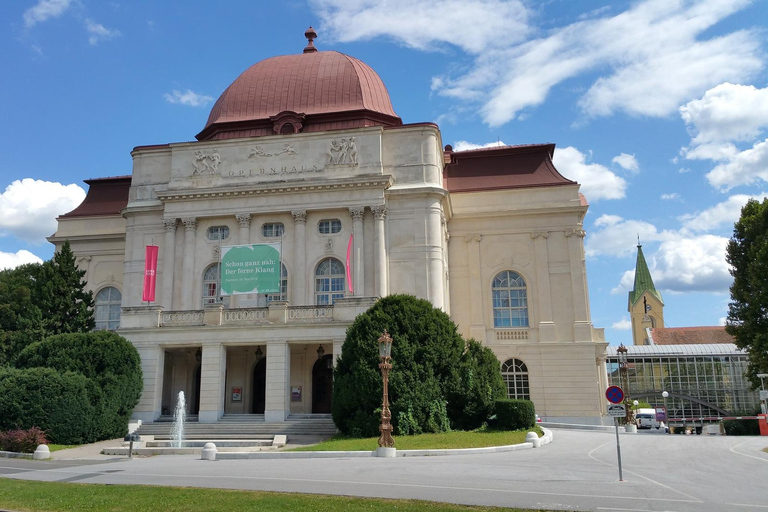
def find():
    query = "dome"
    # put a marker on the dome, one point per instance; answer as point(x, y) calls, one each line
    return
point(309, 92)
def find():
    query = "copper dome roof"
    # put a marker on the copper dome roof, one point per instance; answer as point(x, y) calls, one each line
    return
point(308, 92)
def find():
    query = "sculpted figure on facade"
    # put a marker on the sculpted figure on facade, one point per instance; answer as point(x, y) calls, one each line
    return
point(343, 152)
point(206, 163)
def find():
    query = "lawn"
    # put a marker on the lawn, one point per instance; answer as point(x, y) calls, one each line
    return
point(23, 496)
point(450, 440)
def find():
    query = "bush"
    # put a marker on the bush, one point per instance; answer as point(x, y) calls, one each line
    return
point(741, 427)
point(108, 361)
point(58, 403)
point(22, 441)
point(515, 414)
point(431, 365)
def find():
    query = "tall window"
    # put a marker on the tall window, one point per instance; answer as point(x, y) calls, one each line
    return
point(515, 375)
point(283, 295)
point(107, 309)
point(329, 281)
point(510, 302)
point(272, 230)
point(329, 226)
point(211, 283)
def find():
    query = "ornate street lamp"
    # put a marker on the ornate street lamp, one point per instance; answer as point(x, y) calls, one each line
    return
point(621, 352)
point(385, 350)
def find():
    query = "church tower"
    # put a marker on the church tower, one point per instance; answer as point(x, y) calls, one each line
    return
point(645, 306)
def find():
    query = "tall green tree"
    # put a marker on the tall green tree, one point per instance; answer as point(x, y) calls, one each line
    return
point(21, 321)
point(747, 254)
point(65, 304)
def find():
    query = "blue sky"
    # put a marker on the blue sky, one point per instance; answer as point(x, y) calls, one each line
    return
point(658, 108)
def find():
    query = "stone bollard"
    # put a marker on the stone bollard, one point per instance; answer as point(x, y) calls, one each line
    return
point(209, 452)
point(386, 452)
point(533, 437)
point(42, 452)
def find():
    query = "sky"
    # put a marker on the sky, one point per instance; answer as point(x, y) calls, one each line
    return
point(658, 108)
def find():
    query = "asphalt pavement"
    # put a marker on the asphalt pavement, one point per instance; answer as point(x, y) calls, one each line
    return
point(578, 471)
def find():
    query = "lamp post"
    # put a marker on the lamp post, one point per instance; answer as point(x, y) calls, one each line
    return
point(385, 350)
point(664, 395)
point(621, 352)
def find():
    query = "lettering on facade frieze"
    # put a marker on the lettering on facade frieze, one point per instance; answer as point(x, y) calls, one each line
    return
point(287, 149)
point(342, 152)
point(272, 171)
point(206, 163)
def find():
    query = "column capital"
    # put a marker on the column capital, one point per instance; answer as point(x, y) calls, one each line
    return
point(299, 216)
point(357, 212)
point(243, 219)
point(190, 223)
point(170, 224)
point(537, 234)
point(473, 238)
point(379, 211)
point(578, 232)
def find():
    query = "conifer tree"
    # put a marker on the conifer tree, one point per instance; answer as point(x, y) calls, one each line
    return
point(65, 304)
point(747, 254)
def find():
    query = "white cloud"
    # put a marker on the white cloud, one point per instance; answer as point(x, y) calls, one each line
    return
point(98, 32)
point(745, 168)
point(670, 197)
point(716, 151)
point(626, 162)
point(28, 208)
point(649, 59)
point(722, 320)
point(597, 181)
point(472, 25)
point(727, 112)
point(684, 170)
point(13, 260)
point(725, 213)
point(189, 98)
point(463, 145)
point(44, 10)
point(616, 236)
point(624, 324)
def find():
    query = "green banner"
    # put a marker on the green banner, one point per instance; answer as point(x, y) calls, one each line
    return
point(250, 269)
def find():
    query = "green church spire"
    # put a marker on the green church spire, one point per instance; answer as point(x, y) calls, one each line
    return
point(643, 280)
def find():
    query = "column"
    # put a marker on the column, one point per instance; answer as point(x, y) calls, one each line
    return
point(582, 327)
point(477, 325)
point(358, 284)
point(298, 280)
point(243, 238)
point(213, 366)
point(188, 268)
point(379, 250)
point(152, 365)
point(169, 260)
point(276, 406)
point(547, 331)
point(434, 242)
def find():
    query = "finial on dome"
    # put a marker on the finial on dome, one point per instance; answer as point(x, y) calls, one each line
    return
point(310, 34)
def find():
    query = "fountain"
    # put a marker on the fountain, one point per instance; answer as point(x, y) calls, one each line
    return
point(179, 417)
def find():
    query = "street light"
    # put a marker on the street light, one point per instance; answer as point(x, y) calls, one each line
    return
point(385, 350)
point(664, 394)
point(621, 352)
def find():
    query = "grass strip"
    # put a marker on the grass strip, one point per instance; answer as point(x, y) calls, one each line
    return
point(28, 496)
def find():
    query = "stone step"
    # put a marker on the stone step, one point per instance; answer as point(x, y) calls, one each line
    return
point(199, 443)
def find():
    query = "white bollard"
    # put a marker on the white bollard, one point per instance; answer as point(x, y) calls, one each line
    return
point(382, 451)
point(42, 452)
point(209, 451)
point(533, 437)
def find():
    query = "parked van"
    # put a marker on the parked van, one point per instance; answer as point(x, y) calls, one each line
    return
point(646, 418)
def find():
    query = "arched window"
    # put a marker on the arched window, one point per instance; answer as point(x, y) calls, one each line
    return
point(510, 302)
point(107, 309)
point(329, 281)
point(211, 284)
point(283, 294)
point(515, 375)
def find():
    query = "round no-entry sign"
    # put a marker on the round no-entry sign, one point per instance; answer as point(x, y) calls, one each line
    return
point(614, 394)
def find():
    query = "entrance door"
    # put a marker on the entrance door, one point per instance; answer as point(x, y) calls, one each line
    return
point(259, 387)
point(196, 403)
point(322, 384)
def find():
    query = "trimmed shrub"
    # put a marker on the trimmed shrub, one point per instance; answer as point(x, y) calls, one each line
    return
point(431, 365)
point(108, 361)
point(22, 441)
point(741, 427)
point(58, 403)
point(515, 414)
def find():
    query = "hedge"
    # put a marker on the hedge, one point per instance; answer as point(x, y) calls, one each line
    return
point(512, 414)
point(741, 427)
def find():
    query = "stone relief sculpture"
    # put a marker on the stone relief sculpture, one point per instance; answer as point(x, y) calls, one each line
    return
point(206, 163)
point(286, 149)
point(343, 152)
point(329, 245)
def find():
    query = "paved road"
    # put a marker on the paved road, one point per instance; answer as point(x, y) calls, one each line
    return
point(578, 471)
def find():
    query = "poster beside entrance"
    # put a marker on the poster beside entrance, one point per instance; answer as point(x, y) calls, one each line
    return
point(250, 269)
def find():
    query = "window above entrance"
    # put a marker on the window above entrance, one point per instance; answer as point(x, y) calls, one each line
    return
point(329, 226)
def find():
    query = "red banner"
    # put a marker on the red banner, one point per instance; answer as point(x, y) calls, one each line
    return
point(349, 271)
point(150, 274)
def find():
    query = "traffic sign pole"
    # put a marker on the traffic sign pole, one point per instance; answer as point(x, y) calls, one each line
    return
point(618, 447)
